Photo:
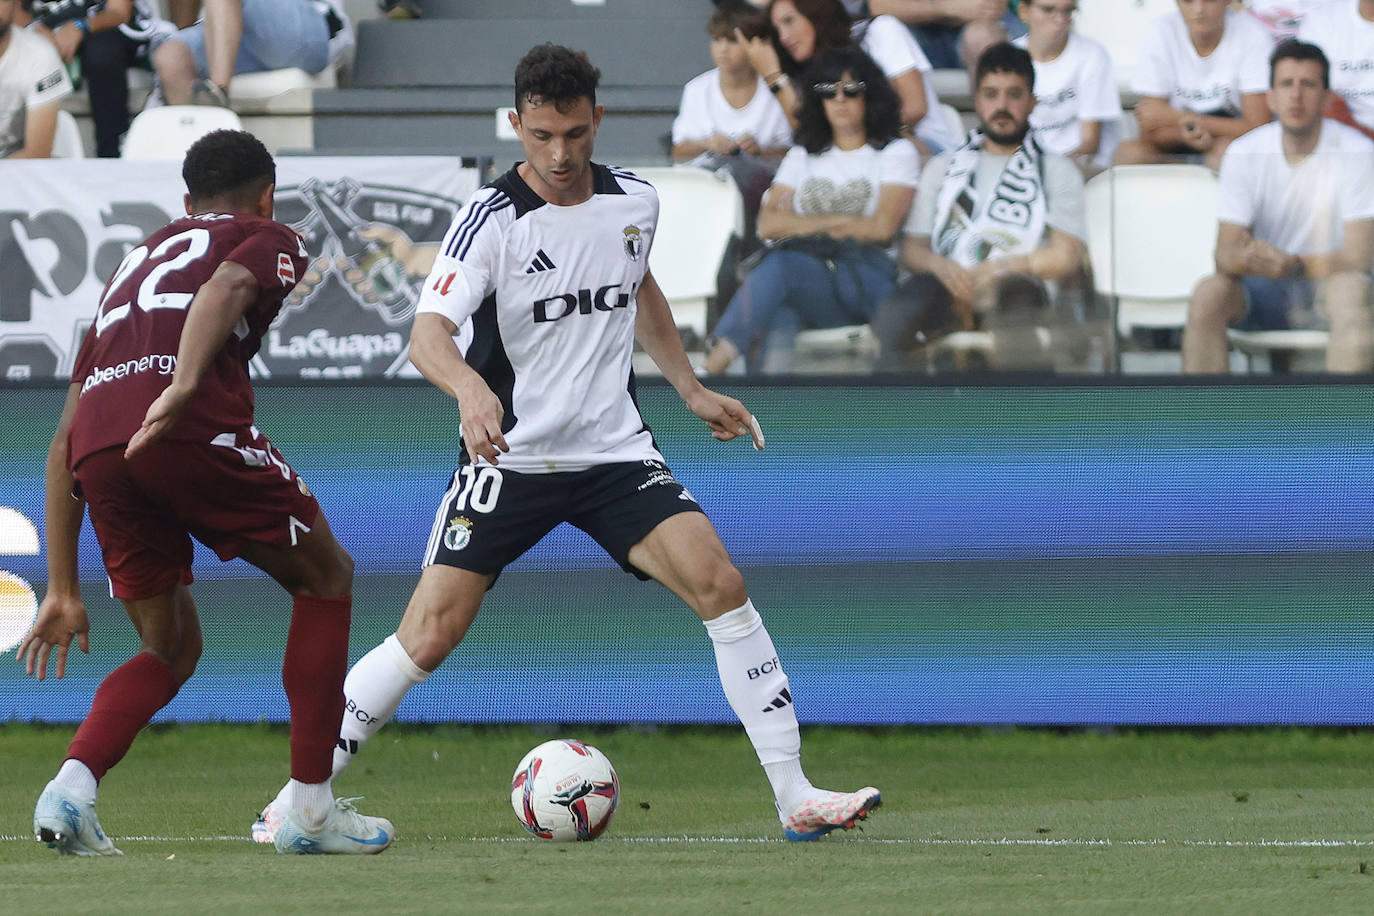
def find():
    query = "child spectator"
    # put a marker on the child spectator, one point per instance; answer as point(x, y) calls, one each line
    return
point(1077, 106)
point(729, 110)
point(1201, 76)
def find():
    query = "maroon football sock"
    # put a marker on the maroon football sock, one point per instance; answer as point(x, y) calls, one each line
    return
point(313, 674)
point(125, 702)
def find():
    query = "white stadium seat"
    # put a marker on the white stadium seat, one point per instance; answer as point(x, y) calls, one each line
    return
point(1152, 231)
point(67, 143)
point(168, 132)
point(699, 212)
point(1120, 25)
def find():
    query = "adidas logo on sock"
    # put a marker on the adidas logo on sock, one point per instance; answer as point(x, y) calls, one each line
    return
point(781, 701)
point(348, 744)
point(541, 262)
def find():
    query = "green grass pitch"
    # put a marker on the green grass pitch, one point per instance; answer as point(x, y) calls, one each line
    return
point(973, 821)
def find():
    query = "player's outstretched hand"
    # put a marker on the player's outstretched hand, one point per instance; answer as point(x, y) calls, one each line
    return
point(60, 617)
point(482, 413)
point(162, 413)
point(726, 417)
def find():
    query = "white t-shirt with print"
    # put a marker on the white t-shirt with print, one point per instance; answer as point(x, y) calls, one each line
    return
point(895, 51)
point(1348, 40)
point(1281, 18)
point(1079, 85)
point(846, 181)
point(1298, 209)
point(705, 112)
point(1170, 67)
point(31, 74)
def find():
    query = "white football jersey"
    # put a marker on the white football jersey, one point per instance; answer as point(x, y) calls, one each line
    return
point(551, 294)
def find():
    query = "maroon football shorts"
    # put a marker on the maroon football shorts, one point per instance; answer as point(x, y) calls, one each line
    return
point(227, 494)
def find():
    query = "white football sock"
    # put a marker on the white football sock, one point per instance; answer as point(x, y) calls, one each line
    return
point(312, 802)
point(76, 777)
point(758, 691)
point(373, 689)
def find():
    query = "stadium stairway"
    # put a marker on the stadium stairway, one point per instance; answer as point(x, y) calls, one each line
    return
point(441, 85)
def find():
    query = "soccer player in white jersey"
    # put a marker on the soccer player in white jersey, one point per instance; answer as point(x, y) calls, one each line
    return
point(550, 263)
point(1295, 239)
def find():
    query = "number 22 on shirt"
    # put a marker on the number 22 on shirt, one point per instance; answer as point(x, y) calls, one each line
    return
point(197, 242)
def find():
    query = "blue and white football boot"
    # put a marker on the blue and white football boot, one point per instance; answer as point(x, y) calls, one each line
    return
point(69, 825)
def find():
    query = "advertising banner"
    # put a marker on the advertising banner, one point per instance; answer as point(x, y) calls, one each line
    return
point(372, 226)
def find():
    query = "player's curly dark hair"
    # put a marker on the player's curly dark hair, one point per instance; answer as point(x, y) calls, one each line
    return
point(227, 162)
point(553, 73)
point(882, 108)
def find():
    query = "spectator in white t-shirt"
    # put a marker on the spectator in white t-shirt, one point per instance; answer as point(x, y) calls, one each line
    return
point(1344, 29)
point(1201, 77)
point(729, 110)
point(1281, 17)
point(1077, 105)
point(1295, 241)
point(805, 28)
point(33, 81)
point(829, 219)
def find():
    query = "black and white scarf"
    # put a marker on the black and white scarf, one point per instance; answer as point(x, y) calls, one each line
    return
point(1011, 218)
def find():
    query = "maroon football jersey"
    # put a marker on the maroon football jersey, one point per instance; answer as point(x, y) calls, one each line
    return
point(129, 353)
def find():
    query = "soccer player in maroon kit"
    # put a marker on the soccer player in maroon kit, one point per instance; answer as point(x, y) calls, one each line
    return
point(157, 438)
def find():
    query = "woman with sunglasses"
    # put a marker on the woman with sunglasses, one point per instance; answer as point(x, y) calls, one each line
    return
point(829, 218)
point(803, 29)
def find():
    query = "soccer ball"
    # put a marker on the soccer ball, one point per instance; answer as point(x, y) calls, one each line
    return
point(565, 790)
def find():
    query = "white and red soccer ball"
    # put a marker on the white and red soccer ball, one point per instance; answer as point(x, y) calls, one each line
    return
point(565, 790)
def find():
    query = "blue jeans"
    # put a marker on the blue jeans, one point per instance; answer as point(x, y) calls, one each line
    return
point(276, 34)
point(1279, 305)
point(941, 42)
point(789, 291)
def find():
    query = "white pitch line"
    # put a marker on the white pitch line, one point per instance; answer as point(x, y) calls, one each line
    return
point(901, 841)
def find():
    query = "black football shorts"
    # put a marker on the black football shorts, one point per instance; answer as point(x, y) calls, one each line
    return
point(490, 516)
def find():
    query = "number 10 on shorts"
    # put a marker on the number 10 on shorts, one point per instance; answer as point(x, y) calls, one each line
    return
point(480, 490)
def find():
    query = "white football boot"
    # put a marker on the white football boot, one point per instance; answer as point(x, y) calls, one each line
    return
point(69, 825)
point(345, 832)
point(829, 811)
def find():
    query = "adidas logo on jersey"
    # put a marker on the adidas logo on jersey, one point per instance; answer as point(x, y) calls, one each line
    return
point(540, 263)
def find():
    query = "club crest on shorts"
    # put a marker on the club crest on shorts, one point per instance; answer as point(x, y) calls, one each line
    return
point(300, 485)
point(458, 532)
point(634, 242)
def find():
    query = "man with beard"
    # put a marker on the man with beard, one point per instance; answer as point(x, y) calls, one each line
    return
point(32, 84)
point(994, 220)
point(1295, 237)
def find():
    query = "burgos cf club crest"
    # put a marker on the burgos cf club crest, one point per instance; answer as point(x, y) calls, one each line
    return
point(634, 243)
point(458, 532)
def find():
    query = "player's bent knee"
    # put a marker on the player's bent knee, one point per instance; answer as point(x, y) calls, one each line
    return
point(718, 589)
